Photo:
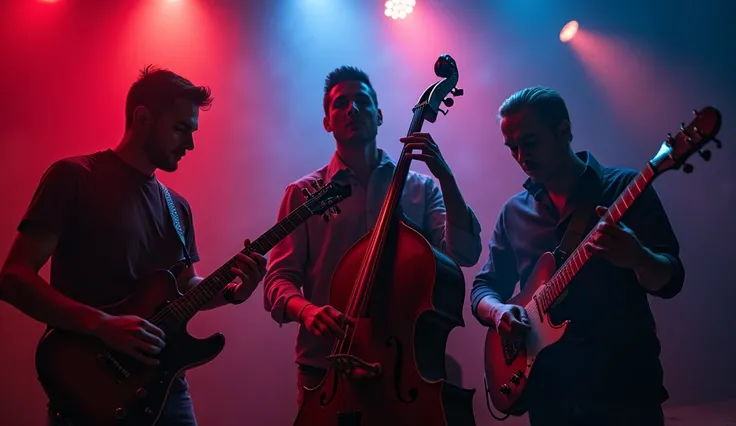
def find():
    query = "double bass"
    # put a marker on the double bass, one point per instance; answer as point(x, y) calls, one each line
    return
point(403, 297)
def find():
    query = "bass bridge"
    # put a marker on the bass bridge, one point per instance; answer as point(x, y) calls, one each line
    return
point(354, 368)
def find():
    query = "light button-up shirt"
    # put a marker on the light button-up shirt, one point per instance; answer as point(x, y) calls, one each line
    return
point(303, 263)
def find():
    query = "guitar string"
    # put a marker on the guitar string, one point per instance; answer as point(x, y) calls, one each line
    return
point(174, 308)
point(360, 293)
point(559, 281)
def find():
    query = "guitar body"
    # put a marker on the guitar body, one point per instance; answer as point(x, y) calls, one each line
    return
point(416, 301)
point(509, 364)
point(94, 386)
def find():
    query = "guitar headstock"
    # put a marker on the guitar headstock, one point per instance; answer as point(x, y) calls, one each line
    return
point(437, 94)
point(324, 199)
point(690, 139)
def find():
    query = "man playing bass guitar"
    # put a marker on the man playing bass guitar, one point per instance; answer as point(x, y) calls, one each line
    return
point(301, 266)
point(104, 220)
point(605, 370)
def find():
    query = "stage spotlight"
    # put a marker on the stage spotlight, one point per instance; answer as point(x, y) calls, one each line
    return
point(398, 9)
point(569, 31)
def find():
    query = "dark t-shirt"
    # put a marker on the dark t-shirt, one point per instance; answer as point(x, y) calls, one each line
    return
point(113, 225)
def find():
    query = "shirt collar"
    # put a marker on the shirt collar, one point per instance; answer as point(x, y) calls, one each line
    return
point(593, 172)
point(338, 166)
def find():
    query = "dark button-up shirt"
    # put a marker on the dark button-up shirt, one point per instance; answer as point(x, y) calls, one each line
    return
point(611, 346)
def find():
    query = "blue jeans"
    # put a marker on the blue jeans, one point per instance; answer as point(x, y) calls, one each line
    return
point(178, 411)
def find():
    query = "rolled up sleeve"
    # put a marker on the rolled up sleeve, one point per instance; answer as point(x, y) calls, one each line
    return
point(498, 276)
point(649, 222)
point(286, 263)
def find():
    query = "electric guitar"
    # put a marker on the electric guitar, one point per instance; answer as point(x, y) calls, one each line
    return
point(509, 363)
point(95, 386)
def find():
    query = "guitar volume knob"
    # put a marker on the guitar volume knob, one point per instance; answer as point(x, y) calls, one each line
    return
point(120, 413)
point(505, 389)
point(141, 393)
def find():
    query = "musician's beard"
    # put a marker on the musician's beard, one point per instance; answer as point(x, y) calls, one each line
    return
point(166, 161)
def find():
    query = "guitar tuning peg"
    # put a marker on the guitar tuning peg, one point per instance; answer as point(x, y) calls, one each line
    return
point(670, 139)
point(443, 111)
point(682, 128)
point(688, 168)
point(449, 102)
point(457, 92)
point(306, 193)
point(315, 185)
point(705, 154)
point(320, 182)
point(695, 112)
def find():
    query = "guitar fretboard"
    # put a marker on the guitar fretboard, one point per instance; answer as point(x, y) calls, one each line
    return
point(572, 265)
point(184, 308)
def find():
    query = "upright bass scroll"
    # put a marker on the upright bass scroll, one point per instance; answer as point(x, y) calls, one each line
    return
point(404, 297)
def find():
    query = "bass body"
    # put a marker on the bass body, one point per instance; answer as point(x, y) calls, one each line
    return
point(416, 302)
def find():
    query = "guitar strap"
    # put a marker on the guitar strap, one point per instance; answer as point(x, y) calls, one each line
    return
point(175, 220)
point(579, 225)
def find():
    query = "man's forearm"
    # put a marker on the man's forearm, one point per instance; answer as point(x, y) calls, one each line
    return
point(487, 306)
point(32, 295)
point(455, 206)
point(294, 307)
point(654, 271)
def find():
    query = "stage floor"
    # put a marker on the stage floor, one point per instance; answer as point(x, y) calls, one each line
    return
point(719, 413)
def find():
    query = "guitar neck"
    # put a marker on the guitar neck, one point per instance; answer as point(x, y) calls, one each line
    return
point(564, 275)
point(192, 301)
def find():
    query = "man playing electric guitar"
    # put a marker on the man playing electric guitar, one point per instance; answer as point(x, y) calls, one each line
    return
point(104, 220)
point(606, 369)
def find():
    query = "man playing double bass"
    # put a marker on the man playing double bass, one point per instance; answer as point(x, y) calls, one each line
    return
point(297, 285)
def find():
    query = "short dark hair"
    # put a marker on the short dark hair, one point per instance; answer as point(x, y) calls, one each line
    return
point(546, 103)
point(158, 88)
point(347, 73)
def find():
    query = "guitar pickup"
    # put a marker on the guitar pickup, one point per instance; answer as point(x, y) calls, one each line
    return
point(113, 366)
point(511, 349)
